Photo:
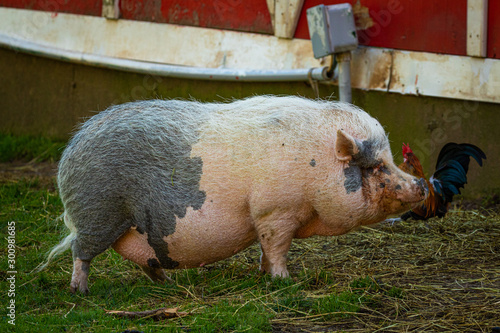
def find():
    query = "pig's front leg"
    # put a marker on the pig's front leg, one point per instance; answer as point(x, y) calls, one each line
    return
point(275, 238)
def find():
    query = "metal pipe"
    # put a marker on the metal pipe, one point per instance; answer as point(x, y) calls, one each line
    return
point(344, 61)
point(152, 68)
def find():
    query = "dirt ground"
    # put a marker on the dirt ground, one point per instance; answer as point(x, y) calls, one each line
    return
point(44, 173)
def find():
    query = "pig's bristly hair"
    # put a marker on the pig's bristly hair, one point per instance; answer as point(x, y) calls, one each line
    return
point(63, 246)
point(313, 119)
point(263, 125)
point(252, 124)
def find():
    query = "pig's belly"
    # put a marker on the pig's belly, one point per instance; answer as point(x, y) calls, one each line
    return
point(200, 238)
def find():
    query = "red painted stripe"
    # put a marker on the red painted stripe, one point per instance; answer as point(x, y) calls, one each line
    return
point(242, 15)
point(493, 29)
point(431, 26)
point(88, 7)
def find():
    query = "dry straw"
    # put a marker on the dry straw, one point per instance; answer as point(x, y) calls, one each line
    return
point(446, 273)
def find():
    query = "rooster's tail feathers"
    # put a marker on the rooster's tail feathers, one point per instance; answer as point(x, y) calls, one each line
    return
point(452, 166)
point(461, 153)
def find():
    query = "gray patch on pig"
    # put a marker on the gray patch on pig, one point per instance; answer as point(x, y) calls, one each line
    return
point(368, 151)
point(312, 163)
point(153, 263)
point(398, 187)
point(385, 170)
point(276, 119)
point(353, 180)
point(130, 166)
point(382, 185)
point(363, 163)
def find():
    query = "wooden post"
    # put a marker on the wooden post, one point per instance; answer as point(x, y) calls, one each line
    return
point(285, 15)
point(477, 27)
point(110, 9)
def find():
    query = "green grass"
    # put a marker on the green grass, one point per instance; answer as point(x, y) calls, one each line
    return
point(229, 296)
point(29, 148)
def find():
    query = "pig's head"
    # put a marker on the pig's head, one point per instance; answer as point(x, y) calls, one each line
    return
point(371, 180)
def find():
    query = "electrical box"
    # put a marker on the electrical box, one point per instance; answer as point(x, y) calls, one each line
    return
point(332, 29)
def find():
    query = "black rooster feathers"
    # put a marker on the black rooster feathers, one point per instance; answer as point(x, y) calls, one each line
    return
point(450, 176)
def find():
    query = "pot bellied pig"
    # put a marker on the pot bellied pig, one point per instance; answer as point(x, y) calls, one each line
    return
point(179, 184)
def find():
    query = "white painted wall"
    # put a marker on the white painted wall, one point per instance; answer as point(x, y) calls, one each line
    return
point(419, 73)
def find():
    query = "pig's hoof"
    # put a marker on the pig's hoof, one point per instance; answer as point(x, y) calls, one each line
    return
point(72, 289)
point(80, 276)
point(155, 274)
point(83, 289)
point(281, 274)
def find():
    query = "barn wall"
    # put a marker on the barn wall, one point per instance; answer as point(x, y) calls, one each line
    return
point(426, 26)
point(39, 96)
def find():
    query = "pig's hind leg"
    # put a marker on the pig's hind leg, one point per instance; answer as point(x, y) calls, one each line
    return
point(155, 274)
point(80, 276)
point(87, 245)
point(134, 246)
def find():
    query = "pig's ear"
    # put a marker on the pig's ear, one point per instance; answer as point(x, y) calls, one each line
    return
point(346, 146)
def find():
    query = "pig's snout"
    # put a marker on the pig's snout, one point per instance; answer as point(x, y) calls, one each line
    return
point(409, 189)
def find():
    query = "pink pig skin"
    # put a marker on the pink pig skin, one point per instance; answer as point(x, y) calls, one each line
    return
point(177, 184)
point(281, 197)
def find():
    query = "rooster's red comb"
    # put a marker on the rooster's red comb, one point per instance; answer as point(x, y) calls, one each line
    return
point(406, 149)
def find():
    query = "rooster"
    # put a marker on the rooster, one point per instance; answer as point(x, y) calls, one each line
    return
point(450, 175)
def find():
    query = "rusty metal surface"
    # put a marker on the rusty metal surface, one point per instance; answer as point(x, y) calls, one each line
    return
point(426, 74)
